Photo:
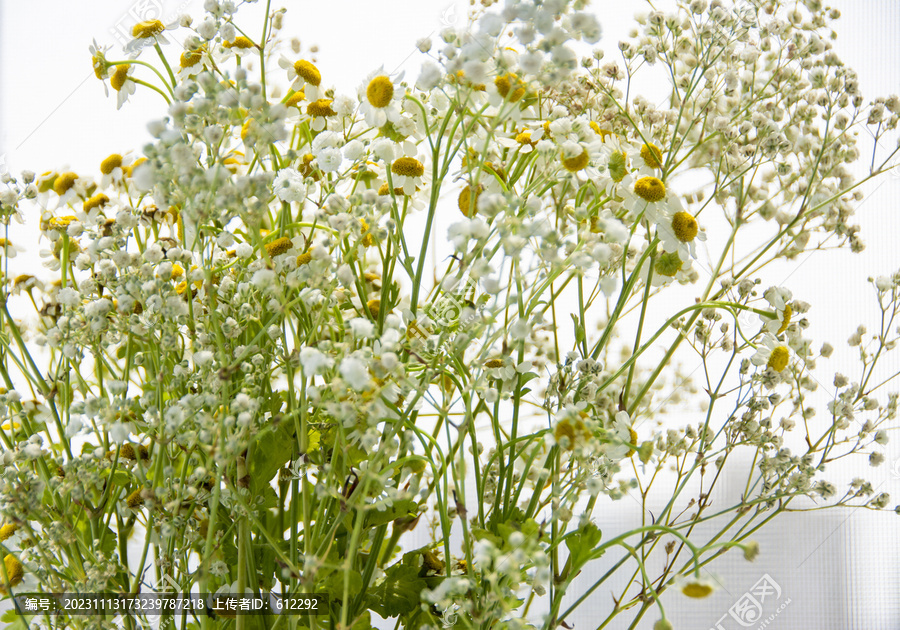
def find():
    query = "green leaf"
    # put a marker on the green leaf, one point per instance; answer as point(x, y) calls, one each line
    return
point(581, 545)
point(406, 507)
point(334, 585)
point(363, 622)
point(579, 329)
point(272, 448)
point(399, 593)
point(482, 534)
point(264, 557)
point(9, 616)
point(645, 451)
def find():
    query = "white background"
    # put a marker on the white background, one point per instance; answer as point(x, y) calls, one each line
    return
point(839, 569)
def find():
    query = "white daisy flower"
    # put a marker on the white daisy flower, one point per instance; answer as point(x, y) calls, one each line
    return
point(305, 76)
point(238, 47)
point(505, 94)
point(191, 63)
point(318, 110)
point(10, 249)
point(122, 83)
point(668, 267)
point(98, 61)
point(113, 168)
point(648, 197)
point(577, 159)
point(408, 174)
point(696, 586)
point(524, 140)
point(778, 298)
point(147, 33)
point(380, 99)
point(620, 437)
point(681, 234)
point(771, 354)
point(646, 156)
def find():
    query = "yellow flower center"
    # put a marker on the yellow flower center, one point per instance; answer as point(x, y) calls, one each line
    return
point(509, 87)
point(147, 28)
point(778, 360)
point(384, 190)
point(650, 189)
point(603, 133)
point(565, 429)
point(8, 530)
point(411, 167)
point(294, 99)
point(685, 226)
point(98, 61)
point(60, 223)
point(117, 80)
point(633, 437)
point(134, 499)
point(368, 239)
point(111, 163)
point(321, 107)
point(97, 201)
point(575, 164)
point(524, 138)
point(189, 58)
point(14, 571)
point(304, 259)
point(652, 155)
point(279, 246)
point(308, 72)
point(468, 200)
point(788, 311)
point(493, 363)
point(697, 590)
point(239, 42)
point(380, 91)
point(63, 183)
point(128, 170)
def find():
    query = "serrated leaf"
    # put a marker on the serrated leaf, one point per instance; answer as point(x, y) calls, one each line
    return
point(363, 622)
point(272, 448)
point(581, 545)
point(334, 585)
point(374, 518)
point(399, 593)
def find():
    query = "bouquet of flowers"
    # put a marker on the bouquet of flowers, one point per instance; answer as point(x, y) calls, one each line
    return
point(301, 329)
